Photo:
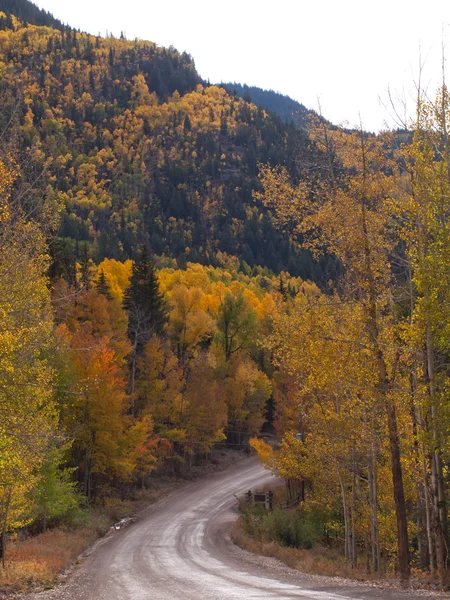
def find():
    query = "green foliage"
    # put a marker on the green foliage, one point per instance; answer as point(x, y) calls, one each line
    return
point(283, 106)
point(236, 324)
point(296, 528)
point(55, 496)
point(292, 528)
point(144, 303)
point(63, 263)
point(102, 286)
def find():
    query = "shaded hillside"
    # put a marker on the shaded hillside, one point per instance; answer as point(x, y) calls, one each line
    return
point(138, 150)
point(29, 12)
point(283, 106)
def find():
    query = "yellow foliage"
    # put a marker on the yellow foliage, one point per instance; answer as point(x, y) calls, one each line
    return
point(117, 275)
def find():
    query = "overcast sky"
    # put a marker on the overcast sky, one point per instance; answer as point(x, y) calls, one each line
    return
point(345, 53)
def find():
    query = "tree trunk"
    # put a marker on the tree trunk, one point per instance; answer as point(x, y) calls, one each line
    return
point(428, 519)
point(399, 496)
point(384, 388)
point(133, 380)
point(3, 546)
point(5, 525)
point(87, 478)
point(353, 532)
point(428, 500)
point(438, 534)
point(373, 501)
point(437, 487)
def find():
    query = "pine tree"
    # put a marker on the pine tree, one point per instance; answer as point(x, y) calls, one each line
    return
point(146, 307)
point(282, 288)
point(84, 267)
point(102, 287)
point(63, 261)
point(144, 303)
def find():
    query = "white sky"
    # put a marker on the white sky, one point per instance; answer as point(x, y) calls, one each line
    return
point(347, 53)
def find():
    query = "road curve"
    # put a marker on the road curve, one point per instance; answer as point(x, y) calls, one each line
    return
point(180, 550)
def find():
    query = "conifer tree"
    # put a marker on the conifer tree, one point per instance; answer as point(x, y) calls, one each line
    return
point(144, 302)
point(102, 287)
point(146, 307)
point(63, 261)
point(84, 267)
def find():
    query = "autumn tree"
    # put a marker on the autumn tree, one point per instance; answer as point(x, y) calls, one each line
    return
point(26, 378)
point(92, 312)
point(423, 212)
point(159, 386)
point(94, 413)
point(247, 391)
point(189, 323)
point(236, 324)
point(346, 212)
point(117, 276)
point(205, 406)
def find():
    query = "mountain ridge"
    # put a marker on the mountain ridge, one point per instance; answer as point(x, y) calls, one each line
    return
point(29, 12)
point(282, 105)
point(140, 151)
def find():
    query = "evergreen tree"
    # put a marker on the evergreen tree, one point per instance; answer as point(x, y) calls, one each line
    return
point(144, 302)
point(146, 307)
point(102, 287)
point(84, 267)
point(282, 288)
point(63, 263)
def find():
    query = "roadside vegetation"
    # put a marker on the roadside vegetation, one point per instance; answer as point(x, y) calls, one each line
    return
point(303, 536)
point(363, 372)
point(308, 538)
point(36, 559)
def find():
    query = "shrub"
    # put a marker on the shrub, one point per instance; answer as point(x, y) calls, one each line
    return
point(296, 528)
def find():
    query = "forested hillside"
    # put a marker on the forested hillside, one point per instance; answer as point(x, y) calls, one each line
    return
point(138, 150)
point(28, 12)
point(286, 108)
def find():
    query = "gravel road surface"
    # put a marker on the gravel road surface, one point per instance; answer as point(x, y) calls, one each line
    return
point(179, 549)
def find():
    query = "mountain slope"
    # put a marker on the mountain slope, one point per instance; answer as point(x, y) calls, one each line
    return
point(29, 12)
point(283, 106)
point(138, 150)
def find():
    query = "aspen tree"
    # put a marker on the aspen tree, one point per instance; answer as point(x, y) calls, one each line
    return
point(345, 212)
point(27, 411)
point(424, 209)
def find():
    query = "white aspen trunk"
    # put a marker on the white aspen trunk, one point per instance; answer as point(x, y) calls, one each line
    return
point(353, 548)
point(438, 504)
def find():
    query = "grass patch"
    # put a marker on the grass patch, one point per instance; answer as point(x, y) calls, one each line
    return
point(317, 559)
point(297, 537)
point(36, 561)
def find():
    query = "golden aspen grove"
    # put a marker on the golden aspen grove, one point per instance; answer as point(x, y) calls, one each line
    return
point(183, 272)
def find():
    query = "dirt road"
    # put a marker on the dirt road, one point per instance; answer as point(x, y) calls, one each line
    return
point(180, 550)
